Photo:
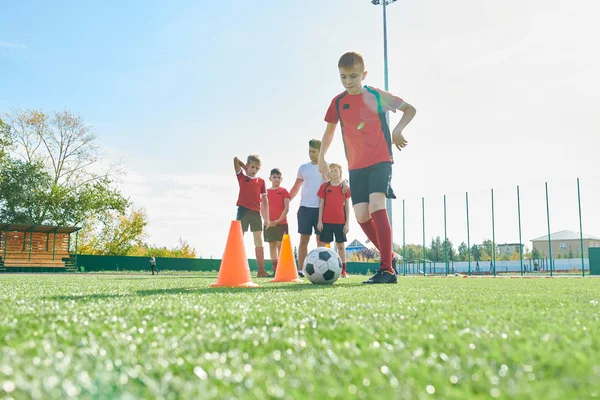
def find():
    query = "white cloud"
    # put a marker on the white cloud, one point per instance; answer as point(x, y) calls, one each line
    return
point(12, 45)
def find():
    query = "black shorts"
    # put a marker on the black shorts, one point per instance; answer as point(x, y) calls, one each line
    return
point(275, 233)
point(331, 230)
point(249, 218)
point(308, 219)
point(374, 179)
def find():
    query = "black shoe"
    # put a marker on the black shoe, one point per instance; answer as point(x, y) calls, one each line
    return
point(383, 276)
point(301, 274)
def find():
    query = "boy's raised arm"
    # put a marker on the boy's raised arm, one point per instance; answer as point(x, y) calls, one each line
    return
point(238, 165)
point(325, 143)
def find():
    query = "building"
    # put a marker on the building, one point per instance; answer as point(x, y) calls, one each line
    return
point(508, 249)
point(566, 243)
point(355, 246)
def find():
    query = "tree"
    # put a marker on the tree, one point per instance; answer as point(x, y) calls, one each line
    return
point(78, 190)
point(5, 140)
point(25, 192)
point(476, 252)
point(535, 254)
point(463, 252)
point(182, 250)
point(489, 248)
point(436, 254)
point(414, 252)
point(118, 236)
point(449, 247)
point(61, 140)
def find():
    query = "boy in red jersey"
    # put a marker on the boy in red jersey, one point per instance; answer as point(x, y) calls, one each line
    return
point(368, 144)
point(279, 205)
point(334, 211)
point(250, 206)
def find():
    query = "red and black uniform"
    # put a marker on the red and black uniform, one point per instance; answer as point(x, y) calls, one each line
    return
point(249, 199)
point(276, 206)
point(367, 139)
point(368, 144)
point(334, 212)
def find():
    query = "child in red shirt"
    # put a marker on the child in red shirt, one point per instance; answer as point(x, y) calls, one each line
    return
point(279, 205)
point(368, 143)
point(334, 212)
point(252, 203)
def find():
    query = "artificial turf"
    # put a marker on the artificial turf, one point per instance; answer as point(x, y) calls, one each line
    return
point(172, 336)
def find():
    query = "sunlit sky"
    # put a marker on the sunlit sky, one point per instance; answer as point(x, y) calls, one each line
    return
point(507, 94)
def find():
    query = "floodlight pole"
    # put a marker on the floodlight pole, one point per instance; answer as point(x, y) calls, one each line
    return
point(388, 202)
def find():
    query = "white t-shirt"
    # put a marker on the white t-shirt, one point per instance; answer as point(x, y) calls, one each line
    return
point(312, 181)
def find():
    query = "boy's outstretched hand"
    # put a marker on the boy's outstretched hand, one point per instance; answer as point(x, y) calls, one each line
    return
point(399, 139)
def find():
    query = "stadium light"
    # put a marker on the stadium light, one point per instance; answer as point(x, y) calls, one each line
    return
point(388, 202)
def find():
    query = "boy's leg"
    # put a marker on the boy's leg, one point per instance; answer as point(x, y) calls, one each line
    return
point(380, 176)
point(259, 251)
point(302, 252)
point(273, 251)
point(384, 231)
point(326, 237)
point(341, 250)
point(256, 228)
point(305, 229)
point(340, 239)
point(359, 189)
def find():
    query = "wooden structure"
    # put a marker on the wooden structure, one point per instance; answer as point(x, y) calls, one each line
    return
point(36, 248)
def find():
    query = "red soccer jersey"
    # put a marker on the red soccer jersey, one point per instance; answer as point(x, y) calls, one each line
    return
point(365, 140)
point(334, 210)
point(276, 203)
point(251, 190)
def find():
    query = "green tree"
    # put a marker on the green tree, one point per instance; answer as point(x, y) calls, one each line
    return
point(119, 236)
point(476, 252)
point(449, 247)
point(77, 189)
point(463, 252)
point(489, 248)
point(25, 192)
point(436, 252)
point(5, 141)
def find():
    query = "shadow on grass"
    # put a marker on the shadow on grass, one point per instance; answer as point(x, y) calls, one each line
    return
point(261, 289)
point(88, 297)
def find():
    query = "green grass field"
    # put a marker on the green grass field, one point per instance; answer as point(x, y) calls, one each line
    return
point(171, 336)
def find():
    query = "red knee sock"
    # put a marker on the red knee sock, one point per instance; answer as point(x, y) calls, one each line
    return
point(343, 267)
point(384, 237)
point(370, 230)
point(260, 258)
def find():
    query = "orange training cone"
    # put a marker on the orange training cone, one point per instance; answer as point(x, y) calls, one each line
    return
point(286, 267)
point(234, 270)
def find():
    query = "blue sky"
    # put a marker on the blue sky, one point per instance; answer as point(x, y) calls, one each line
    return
point(506, 94)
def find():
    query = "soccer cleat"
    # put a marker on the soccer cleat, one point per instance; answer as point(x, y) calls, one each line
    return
point(344, 274)
point(300, 274)
point(383, 276)
point(263, 274)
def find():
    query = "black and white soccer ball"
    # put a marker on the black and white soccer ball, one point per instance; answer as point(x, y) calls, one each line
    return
point(322, 266)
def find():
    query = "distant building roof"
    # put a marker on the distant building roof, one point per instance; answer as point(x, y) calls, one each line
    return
point(355, 245)
point(510, 244)
point(564, 235)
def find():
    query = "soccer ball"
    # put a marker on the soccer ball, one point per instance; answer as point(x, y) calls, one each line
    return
point(322, 266)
